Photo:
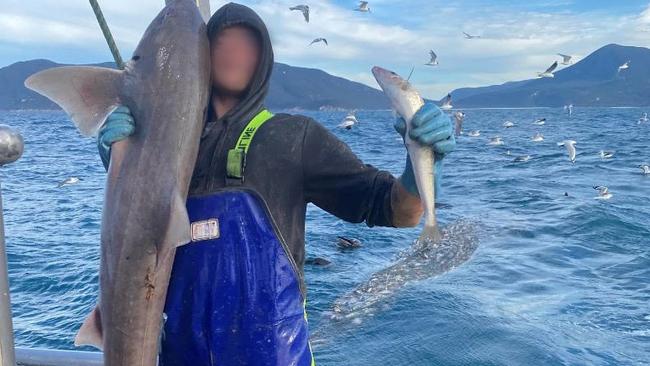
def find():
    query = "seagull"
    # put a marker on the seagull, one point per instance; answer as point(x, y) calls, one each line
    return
point(606, 154)
point(570, 147)
point(474, 133)
point(645, 168)
point(644, 118)
point(540, 122)
point(304, 9)
point(446, 104)
point(566, 59)
point(363, 7)
point(522, 159)
point(603, 193)
point(508, 124)
point(496, 141)
point(549, 72)
point(319, 40)
point(68, 181)
point(537, 138)
point(434, 59)
point(569, 109)
point(459, 117)
point(469, 36)
point(349, 121)
point(625, 66)
point(348, 243)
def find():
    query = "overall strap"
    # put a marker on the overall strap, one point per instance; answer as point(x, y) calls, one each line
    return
point(236, 162)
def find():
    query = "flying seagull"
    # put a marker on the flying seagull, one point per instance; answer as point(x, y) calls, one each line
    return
point(469, 36)
point(304, 9)
point(570, 147)
point(625, 66)
point(319, 40)
point(434, 59)
point(446, 104)
point(459, 117)
point(363, 7)
point(566, 59)
point(549, 72)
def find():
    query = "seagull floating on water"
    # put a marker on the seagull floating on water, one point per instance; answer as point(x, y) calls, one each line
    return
point(570, 147)
point(644, 118)
point(469, 36)
point(540, 122)
point(508, 124)
point(304, 9)
point(349, 121)
point(566, 59)
point(549, 72)
point(363, 7)
point(319, 40)
point(606, 154)
point(434, 59)
point(474, 133)
point(603, 193)
point(645, 168)
point(68, 181)
point(522, 159)
point(538, 137)
point(446, 104)
point(496, 141)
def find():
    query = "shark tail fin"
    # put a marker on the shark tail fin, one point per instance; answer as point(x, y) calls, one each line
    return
point(87, 94)
point(430, 234)
point(90, 333)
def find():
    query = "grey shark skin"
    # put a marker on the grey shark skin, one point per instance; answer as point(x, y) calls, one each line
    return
point(166, 87)
point(457, 242)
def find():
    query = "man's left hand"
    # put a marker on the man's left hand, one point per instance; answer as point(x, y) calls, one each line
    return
point(429, 127)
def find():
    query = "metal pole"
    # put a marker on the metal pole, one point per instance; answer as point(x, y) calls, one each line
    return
point(107, 34)
point(49, 357)
point(11, 148)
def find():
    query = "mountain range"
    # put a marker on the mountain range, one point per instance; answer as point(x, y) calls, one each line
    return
point(593, 81)
point(291, 88)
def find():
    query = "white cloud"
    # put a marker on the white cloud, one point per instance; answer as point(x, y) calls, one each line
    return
point(517, 41)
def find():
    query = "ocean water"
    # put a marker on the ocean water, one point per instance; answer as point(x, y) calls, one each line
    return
point(556, 280)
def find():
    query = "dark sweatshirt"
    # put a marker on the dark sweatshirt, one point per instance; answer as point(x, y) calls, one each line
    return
point(293, 160)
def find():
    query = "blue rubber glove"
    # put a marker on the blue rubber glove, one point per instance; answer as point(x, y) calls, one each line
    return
point(431, 127)
point(118, 126)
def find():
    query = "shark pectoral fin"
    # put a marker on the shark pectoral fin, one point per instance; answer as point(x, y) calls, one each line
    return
point(178, 230)
point(87, 94)
point(90, 333)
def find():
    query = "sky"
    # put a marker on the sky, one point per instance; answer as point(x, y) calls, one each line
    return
point(519, 38)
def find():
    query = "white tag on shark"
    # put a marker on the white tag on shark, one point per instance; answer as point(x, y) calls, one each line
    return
point(205, 230)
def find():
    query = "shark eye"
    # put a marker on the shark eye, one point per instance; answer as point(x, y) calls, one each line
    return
point(135, 58)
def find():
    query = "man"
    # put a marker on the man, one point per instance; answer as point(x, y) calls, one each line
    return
point(237, 295)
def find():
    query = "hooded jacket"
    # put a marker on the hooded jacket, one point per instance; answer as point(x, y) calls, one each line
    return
point(293, 160)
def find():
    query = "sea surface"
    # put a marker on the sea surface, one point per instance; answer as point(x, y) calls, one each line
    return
point(559, 277)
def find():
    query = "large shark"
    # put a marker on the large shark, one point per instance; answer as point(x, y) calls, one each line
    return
point(166, 87)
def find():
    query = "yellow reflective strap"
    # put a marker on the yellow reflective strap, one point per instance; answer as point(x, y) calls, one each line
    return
point(304, 307)
point(247, 135)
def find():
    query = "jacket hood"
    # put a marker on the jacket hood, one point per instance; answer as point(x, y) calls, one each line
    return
point(207, 173)
point(233, 14)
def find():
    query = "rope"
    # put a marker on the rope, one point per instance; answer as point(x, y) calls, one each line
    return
point(107, 34)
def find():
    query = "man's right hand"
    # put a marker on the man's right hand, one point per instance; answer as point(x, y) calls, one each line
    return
point(118, 126)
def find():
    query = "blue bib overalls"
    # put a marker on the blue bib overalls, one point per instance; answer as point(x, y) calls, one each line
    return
point(235, 296)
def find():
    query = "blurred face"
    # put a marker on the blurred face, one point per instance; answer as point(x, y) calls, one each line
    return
point(235, 54)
